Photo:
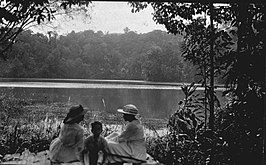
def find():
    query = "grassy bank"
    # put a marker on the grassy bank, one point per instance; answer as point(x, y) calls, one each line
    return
point(32, 126)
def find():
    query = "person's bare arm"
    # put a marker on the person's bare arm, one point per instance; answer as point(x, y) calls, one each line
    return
point(105, 145)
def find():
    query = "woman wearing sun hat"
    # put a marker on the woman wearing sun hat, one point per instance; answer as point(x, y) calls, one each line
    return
point(67, 147)
point(129, 146)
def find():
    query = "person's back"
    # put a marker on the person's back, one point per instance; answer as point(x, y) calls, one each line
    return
point(67, 147)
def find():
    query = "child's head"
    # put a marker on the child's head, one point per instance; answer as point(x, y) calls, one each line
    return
point(96, 128)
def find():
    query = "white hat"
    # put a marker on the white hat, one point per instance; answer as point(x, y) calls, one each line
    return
point(129, 109)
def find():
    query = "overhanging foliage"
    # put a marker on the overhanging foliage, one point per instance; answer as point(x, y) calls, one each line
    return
point(15, 16)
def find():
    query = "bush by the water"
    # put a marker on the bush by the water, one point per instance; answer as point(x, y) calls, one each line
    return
point(188, 141)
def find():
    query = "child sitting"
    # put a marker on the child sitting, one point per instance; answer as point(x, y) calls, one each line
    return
point(93, 145)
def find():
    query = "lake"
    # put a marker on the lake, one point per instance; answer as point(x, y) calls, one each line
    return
point(154, 100)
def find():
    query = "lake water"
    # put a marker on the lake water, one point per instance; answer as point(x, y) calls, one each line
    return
point(154, 100)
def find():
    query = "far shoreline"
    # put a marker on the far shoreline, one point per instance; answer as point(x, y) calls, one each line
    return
point(102, 81)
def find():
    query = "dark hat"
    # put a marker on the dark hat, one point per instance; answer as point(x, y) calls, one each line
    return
point(75, 112)
point(129, 109)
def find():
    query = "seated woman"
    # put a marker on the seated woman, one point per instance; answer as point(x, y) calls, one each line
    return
point(67, 147)
point(129, 146)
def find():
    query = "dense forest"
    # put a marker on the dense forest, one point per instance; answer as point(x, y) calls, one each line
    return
point(153, 56)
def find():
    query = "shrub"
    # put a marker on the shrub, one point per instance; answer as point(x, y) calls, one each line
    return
point(187, 142)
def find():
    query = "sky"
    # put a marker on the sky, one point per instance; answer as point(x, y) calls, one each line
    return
point(112, 17)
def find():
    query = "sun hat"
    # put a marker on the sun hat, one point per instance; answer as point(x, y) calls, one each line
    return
point(75, 112)
point(129, 109)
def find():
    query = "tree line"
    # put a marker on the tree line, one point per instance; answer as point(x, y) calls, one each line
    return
point(153, 56)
